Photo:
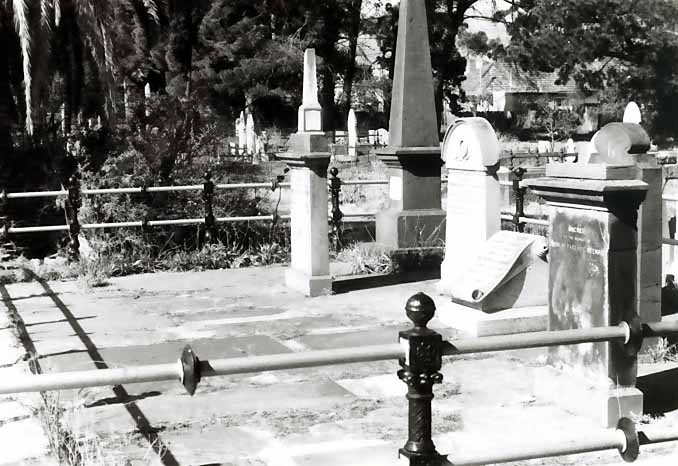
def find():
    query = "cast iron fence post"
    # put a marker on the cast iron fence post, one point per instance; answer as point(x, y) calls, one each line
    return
point(519, 193)
point(208, 197)
point(73, 204)
point(420, 371)
point(337, 215)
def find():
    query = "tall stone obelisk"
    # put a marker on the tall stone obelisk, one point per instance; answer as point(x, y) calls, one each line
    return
point(309, 156)
point(414, 217)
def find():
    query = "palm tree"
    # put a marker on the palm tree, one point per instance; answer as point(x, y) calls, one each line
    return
point(46, 38)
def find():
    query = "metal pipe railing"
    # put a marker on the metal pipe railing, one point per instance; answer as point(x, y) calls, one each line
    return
point(608, 439)
point(622, 333)
point(219, 367)
point(419, 352)
point(538, 339)
point(140, 224)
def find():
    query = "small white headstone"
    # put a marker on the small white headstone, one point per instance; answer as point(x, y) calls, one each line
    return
point(570, 146)
point(251, 136)
point(632, 114)
point(383, 136)
point(241, 131)
point(147, 90)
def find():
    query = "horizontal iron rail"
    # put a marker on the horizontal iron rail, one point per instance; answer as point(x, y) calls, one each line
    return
point(530, 220)
point(219, 367)
point(243, 365)
point(537, 339)
point(140, 224)
point(608, 439)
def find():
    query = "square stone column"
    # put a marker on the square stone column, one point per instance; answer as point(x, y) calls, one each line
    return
point(593, 216)
point(309, 158)
point(414, 217)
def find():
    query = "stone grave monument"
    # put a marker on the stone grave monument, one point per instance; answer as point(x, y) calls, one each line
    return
point(632, 114)
point(593, 213)
point(414, 217)
point(241, 131)
point(250, 135)
point(309, 157)
point(352, 126)
point(487, 270)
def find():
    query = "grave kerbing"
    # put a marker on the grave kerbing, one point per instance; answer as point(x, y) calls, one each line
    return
point(414, 217)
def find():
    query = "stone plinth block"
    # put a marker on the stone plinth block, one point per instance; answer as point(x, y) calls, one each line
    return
point(592, 275)
point(414, 217)
point(309, 272)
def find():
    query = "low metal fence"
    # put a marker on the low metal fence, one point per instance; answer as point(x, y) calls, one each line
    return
point(420, 352)
point(73, 202)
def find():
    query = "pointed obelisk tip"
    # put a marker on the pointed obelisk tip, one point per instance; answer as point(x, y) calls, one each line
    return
point(413, 121)
point(310, 112)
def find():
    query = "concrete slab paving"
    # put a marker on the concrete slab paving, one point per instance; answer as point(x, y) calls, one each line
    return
point(335, 415)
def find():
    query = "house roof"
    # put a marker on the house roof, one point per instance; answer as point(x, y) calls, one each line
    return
point(483, 76)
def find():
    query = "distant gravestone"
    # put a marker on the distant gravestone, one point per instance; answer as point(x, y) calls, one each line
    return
point(352, 126)
point(632, 114)
point(241, 132)
point(382, 134)
point(543, 146)
point(251, 136)
point(570, 147)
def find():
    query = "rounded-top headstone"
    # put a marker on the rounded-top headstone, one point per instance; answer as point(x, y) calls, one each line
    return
point(420, 309)
point(632, 114)
point(616, 142)
point(471, 143)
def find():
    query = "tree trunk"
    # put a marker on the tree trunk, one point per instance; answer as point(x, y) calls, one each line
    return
point(327, 99)
point(6, 107)
point(353, 33)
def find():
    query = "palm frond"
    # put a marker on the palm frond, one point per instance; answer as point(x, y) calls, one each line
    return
point(20, 9)
point(57, 11)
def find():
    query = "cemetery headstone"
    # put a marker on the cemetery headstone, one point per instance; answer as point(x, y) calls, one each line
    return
point(484, 268)
point(593, 275)
point(632, 114)
point(414, 217)
point(241, 131)
point(352, 126)
point(250, 135)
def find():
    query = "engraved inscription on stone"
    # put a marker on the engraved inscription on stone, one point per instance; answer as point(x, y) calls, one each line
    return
point(499, 256)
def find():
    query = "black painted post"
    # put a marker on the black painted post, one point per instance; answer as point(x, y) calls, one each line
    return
point(511, 160)
point(519, 194)
point(73, 204)
point(208, 197)
point(420, 371)
point(337, 215)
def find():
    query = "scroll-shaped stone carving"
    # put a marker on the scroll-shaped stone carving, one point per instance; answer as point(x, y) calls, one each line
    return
point(617, 142)
point(471, 144)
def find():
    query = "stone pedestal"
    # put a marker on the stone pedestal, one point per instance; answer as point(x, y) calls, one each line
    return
point(309, 158)
point(414, 217)
point(649, 254)
point(592, 278)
